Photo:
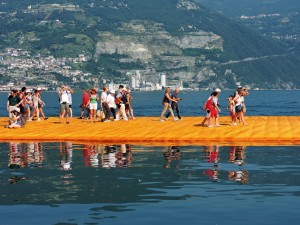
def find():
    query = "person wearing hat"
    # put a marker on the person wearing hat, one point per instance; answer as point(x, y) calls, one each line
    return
point(111, 103)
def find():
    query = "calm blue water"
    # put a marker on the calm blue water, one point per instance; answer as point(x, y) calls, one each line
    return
point(149, 103)
point(65, 183)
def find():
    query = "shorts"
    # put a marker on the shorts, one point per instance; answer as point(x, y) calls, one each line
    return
point(214, 113)
point(64, 107)
point(93, 106)
point(70, 106)
point(238, 108)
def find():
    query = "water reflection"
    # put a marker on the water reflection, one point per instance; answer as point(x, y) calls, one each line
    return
point(237, 155)
point(110, 183)
point(22, 155)
point(171, 153)
point(66, 153)
point(211, 155)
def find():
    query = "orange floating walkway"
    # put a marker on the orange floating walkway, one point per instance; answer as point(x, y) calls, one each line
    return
point(262, 130)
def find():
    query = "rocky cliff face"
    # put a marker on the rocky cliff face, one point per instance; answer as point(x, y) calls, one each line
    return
point(151, 44)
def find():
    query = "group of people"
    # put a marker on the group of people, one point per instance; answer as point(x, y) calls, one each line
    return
point(118, 104)
point(24, 106)
point(236, 107)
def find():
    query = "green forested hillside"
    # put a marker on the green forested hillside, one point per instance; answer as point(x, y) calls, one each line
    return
point(66, 28)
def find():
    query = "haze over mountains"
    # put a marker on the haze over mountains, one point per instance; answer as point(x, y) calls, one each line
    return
point(202, 47)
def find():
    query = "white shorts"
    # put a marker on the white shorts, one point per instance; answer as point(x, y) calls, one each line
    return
point(93, 106)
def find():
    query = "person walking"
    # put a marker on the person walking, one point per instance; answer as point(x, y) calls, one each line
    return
point(166, 105)
point(104, 105)
point(174, 104)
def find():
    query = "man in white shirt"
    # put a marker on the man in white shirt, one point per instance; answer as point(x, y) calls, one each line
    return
point(64, 102)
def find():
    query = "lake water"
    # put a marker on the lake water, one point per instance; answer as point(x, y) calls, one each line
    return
point(65, 183)
point(68, 183)
point(149, 103)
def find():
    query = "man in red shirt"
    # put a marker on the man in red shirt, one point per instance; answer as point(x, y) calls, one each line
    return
point(84, 104)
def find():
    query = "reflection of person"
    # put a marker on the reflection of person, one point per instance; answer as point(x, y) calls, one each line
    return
point(90, 155)
point(241, 176)
point(211, 153)
point(16, 157)
point(211, 156)
point(35, 153)
point(116, 156)
point(66, 153)
point(237, 155)
point(172, 153)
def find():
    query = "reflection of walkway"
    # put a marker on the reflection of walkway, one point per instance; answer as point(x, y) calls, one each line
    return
point(262, 131)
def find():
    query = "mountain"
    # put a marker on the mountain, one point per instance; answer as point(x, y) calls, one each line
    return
point(183, 39)
point(277, 19)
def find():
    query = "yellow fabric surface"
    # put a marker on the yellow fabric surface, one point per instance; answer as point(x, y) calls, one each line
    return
point(262, 130)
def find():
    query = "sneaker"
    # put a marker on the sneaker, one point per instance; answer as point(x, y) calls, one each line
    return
point(166, 118)
point(105, 121)
point(116, 119)
point(45, 118)
point(39, 119)
point(175, 120)
point(80, 118)
point(210, 126)
point(217, 125)
point(29, 120)
point(161, 120)
point(234, 124)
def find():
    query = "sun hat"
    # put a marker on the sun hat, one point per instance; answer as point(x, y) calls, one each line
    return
point(218, 90)
point(112, 91)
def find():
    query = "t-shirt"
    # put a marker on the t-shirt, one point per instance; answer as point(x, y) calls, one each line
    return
point(70, 97)
point(174, 96)
point(64, 97)
point(111, 101)
point(103, 97)
point(85, 98)
point(14, 100)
